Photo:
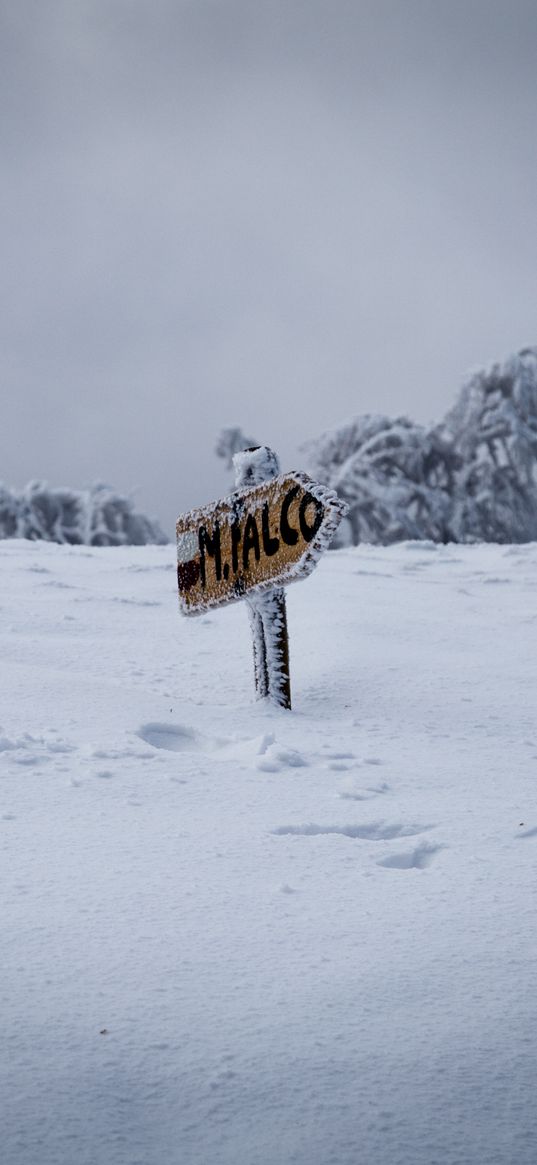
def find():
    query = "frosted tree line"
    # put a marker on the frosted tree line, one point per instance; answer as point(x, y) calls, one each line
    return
point(470, 478)
point(97, 516)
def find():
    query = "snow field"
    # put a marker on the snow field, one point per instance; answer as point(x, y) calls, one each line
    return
point(233, 934)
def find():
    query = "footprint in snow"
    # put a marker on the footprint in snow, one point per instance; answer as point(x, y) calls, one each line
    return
point(171, 737)
point(182, 738)
point(353, 793)
point(416, 859)
point(339, 759)
point(262, 751)
point(340, 762)
point(33, 750)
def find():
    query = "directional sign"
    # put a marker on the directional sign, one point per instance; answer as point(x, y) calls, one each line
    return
point(262, 537)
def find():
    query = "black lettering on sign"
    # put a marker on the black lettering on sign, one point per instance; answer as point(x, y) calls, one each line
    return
point(251, 541)
point(210, 545)
point(235, 539)
point(309, 531)
point(270, 545)
point(289, 535)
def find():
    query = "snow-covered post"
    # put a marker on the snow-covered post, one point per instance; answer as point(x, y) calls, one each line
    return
point(267, 611)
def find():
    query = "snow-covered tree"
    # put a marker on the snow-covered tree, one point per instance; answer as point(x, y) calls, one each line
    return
point(94, 517)
point(115, 522)
point(232, 440)
point(9, 514)
point(395, 476)
point(493, 427)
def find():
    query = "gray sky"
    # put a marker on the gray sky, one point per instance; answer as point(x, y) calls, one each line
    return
point(276, 213)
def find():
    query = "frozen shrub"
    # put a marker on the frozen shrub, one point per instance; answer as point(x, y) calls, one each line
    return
point(9, 514)
point(95, 517)
point(493, 427)
point(395, 477)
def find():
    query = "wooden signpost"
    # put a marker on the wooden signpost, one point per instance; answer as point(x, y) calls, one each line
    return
point(271, 531)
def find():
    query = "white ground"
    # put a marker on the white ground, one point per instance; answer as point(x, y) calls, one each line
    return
point(233, 935)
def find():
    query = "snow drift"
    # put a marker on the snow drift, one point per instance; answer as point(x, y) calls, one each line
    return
point(233, 934)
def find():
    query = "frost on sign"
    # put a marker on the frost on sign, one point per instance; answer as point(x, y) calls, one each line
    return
point(263, 537)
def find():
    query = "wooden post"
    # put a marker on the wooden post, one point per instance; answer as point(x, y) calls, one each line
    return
point(267, 612)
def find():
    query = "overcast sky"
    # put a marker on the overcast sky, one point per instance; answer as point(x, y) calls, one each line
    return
point(276, 213)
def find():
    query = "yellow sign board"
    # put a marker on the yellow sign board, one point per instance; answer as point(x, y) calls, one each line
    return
point(262, 537)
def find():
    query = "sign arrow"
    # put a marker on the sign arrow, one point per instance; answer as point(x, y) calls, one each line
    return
point(266, 536)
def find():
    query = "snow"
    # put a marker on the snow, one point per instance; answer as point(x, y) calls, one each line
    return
point(238, 935)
